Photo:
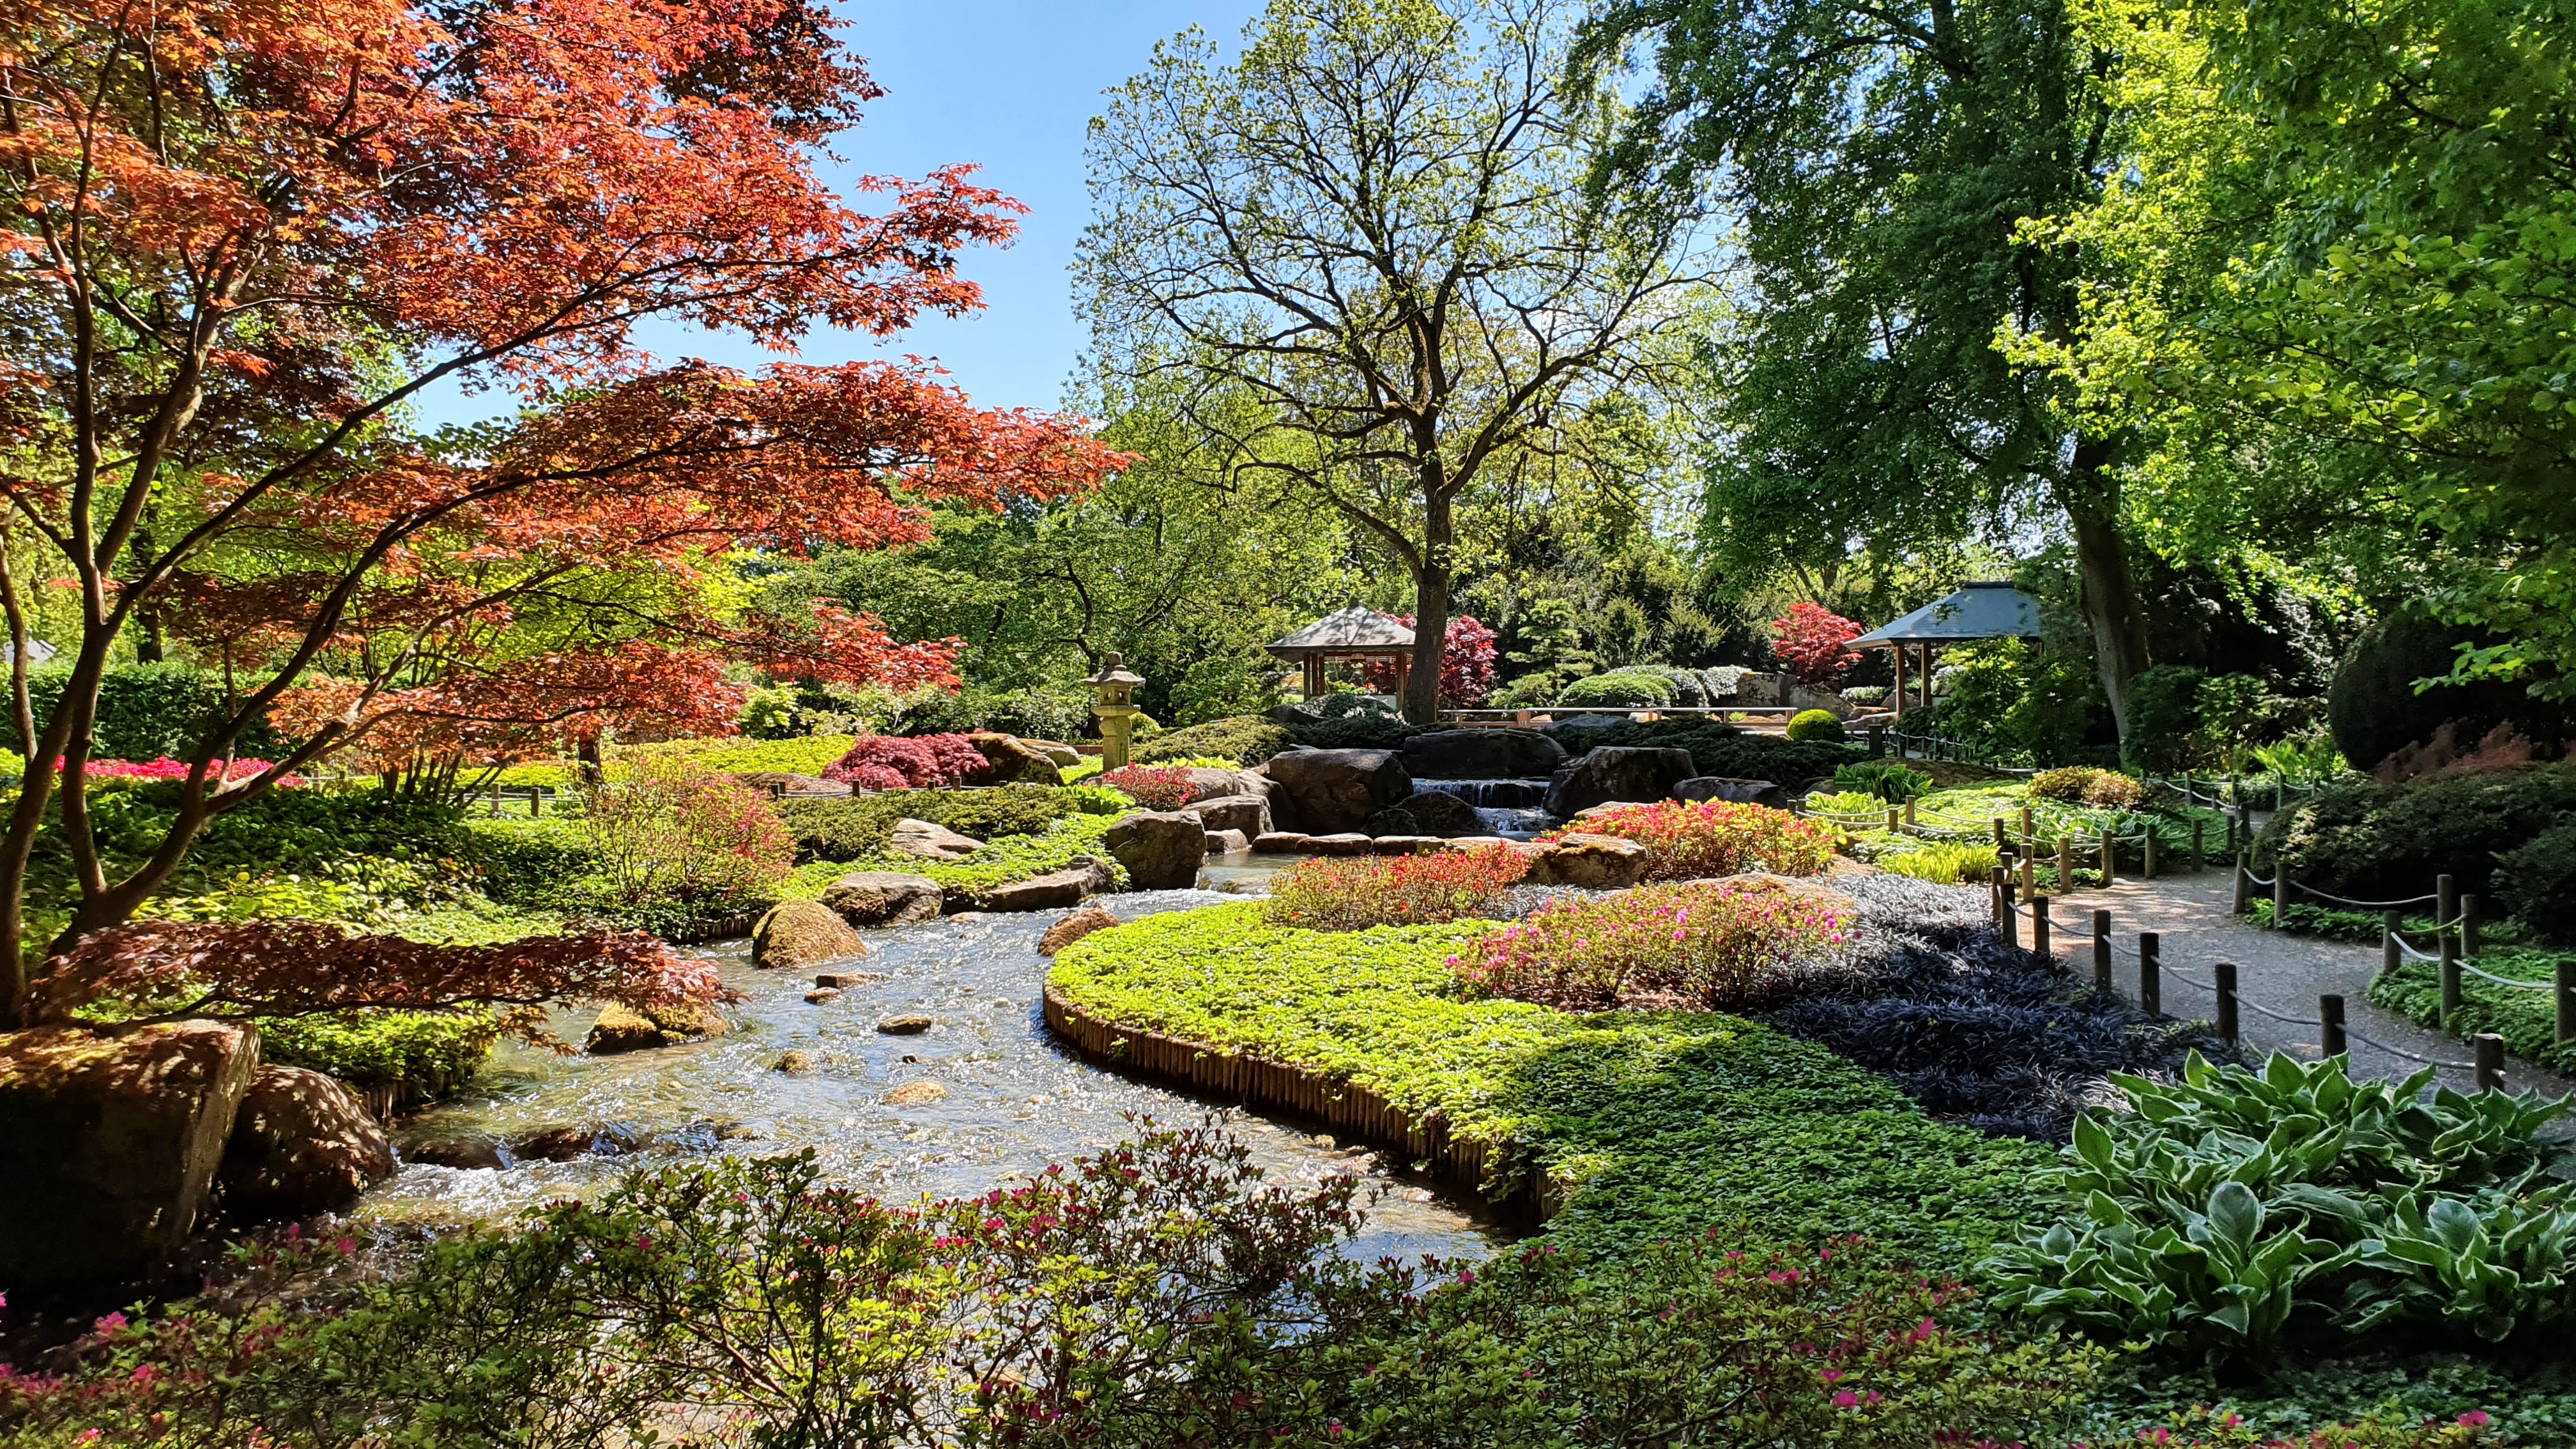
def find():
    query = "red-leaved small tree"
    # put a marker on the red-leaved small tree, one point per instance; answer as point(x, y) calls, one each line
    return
point(919, 762)
point(1814, 642)
point(1466, 664)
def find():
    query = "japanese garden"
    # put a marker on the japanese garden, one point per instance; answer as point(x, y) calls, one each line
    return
point(1698, 723)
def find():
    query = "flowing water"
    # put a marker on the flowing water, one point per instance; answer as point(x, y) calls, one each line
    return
point(1013, 1102)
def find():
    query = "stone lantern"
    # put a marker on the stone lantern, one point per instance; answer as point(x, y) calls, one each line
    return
point(1116, 709)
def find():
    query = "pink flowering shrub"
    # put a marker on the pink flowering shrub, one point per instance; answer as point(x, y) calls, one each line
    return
point(1355, 893)
point(1156, 787)
point(1708, 945)
point(892, 762)
point(1693, 840)
point(166, 768)
point(667, 827)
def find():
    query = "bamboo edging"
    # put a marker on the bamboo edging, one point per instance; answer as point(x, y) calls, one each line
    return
point(1353, 1112)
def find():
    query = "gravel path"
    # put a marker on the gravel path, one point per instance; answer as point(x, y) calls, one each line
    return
point(2283, 973)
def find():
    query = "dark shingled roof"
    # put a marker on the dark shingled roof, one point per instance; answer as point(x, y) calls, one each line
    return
point(1989, 610)
point(1357, 627)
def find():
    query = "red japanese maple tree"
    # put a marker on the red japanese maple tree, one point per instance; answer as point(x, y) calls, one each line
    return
point(239, 240)
point(1466, 663)
point(1814, 642)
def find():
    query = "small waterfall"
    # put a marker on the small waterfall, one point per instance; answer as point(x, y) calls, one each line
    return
point(1504, 794)
point(1515, 823)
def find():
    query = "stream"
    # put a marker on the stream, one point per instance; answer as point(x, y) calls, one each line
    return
point(1013, 1101)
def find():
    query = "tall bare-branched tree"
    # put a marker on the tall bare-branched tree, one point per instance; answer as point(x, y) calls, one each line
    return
point(1374, 222)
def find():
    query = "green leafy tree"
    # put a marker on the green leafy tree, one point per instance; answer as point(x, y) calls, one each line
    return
point(1879, 157)
point(1373, 225)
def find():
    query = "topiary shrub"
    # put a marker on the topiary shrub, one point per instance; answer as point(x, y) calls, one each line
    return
point(1245, 739)
point(2375, 710)
point(1618, 689)
point(1815, 724)
point(2372, 841)
point(2537, 882)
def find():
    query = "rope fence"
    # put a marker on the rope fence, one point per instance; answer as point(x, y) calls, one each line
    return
point(2013, 908)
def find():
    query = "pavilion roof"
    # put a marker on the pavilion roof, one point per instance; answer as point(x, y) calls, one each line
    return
point(1991, 609)
point(1352, 630)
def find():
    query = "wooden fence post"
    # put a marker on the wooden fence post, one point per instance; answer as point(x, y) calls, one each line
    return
point(2244, 886)
point(2109, 870)
point(2391, 954)
point(2149, 846)
point(2490, 1060)
point(2151, 986)
point(2224, 975)
point(2280, 893)
point(2101, 950)
point(2065, 867)
point(2450, 979)
point(2199, 855)
point(2446, 901)
point(2468, 926)
point(2330, 1026)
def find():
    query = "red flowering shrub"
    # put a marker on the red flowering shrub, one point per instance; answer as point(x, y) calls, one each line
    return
point(918, 762)
point(1466, 664)
point(1355, 893)
point(1708, 945)
point(1691, 840)
point(1812, 640)
point(1156, 787)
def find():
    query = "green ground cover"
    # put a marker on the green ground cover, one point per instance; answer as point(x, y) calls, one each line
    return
point(1973, 809)
point(1003, 860)
point(2525, 1018)
point(1662, 1123)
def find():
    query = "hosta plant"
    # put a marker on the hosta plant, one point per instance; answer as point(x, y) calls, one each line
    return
point(2232, 1209)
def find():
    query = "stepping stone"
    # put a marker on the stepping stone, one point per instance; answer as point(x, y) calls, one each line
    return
point(915, 1094)
point(909, 1024)
point(822, 994)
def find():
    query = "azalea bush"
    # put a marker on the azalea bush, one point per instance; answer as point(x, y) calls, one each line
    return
point(166, 768)
point(1156, 787)
point(1711, 945)
point(666, 828)
point(897, 762)
point(1357, 892)
point(1692, 839)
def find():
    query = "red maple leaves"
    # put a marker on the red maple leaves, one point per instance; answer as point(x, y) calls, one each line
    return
point(1812, 641)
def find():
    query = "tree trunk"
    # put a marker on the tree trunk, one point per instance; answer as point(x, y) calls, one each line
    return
point(1430, 613)
point(2091, 497)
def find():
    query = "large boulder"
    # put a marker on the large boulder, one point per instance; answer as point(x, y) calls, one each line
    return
point(1160, 849)
point(109, 1144)
point(630, 1029)
point(1437, 812)
point(302, 1144)
point(1056, 750)
point(1247, 813)
point(1481, 755)
point(1617, 772)
point(1014, 760)
point(1209, 783)
point(923, 840)
point(1330, 792)
point(883, 898)
point(785, 783)
point(1593, 862)
point(797, 934)
point(1055, 890)
point(1742, 792)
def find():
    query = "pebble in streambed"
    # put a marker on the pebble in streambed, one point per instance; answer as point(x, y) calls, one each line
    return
point(978, 1096)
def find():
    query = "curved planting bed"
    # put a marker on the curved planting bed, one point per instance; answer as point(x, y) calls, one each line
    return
point(1619, 1126)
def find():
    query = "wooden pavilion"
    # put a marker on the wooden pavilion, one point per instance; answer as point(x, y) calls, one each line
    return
point(1358, 634)
point(1989, 609)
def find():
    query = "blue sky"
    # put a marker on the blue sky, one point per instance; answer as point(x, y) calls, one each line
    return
point(1011, 85)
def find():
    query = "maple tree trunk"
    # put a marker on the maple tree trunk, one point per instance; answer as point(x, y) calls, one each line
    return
point(2091, 497)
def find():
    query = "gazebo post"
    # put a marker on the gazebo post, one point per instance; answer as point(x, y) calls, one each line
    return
point(1900, 687)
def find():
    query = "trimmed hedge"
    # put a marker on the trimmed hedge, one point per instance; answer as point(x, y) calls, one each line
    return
point(1657, 1123)
point(1246, 739)
point(1358, 730)
point(860, 825)
point(2359, 838)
